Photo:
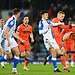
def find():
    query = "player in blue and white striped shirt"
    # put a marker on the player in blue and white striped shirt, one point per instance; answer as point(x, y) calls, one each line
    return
point(45, 28)
point(8, 42)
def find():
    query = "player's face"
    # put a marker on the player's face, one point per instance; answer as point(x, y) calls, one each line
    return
point(2, 22)
point(45, 16)
point(18, 15)
point(61, 16)
point(26, 20)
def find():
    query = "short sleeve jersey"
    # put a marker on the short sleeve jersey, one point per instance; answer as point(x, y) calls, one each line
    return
point(11, 25)
point(24, 31)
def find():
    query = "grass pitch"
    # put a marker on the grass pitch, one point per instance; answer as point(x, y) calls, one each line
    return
point(35, 69)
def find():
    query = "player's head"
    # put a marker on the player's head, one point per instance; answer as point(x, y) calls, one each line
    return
point(61, 15)
point(16, 12)
point(26, 19)
point(2, 22)
point(44, 14)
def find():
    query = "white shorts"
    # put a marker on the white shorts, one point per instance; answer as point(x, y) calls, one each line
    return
point(49, 40)
point(0, 38)
point(13, 44)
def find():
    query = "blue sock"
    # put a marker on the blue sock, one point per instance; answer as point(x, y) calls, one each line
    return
point(15, 61)
point(54, 61)
point(2, 58)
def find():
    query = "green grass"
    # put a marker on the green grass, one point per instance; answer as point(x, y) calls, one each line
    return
point(35, 69)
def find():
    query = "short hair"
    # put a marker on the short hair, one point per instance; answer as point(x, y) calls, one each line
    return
point(15, 11)
point(43, 11)
point(26, 15)
point(61, 12)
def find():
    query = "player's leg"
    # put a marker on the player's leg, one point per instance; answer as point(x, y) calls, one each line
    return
point(54, 60)
point(16, 52)
point(16, 58)
point(67, 48)
point(26, 60)
point(61, 53)
point(27, 55)
point(48, 45)
point(23, 54)
point(1, 54)
point(3, 49)
point(72, 54)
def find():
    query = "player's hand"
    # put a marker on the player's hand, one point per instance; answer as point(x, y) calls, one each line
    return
point(22, 41)
point(66, 36)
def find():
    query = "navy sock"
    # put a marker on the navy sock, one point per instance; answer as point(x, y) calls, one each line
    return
point(2, 58)
point(54, 61)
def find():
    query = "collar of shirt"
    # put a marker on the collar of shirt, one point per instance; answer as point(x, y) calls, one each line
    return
point(43, 19)
point(14, 16)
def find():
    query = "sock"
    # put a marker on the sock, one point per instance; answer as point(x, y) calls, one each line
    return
point(67, 57)
point(73, 57)
point(49, 58)
point(15, 61)
point(54, 61)
point(26, 62)
point(63, 61)
point(72, 62)
point(2, 63)
point(3, 58)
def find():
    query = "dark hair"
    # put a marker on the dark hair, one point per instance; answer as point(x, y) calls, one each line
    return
point(15, 11)
point(43, 11)
point(26, 16)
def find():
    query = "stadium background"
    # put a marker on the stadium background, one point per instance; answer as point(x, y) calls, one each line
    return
point(33, 7)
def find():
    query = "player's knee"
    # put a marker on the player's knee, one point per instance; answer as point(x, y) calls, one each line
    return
point(22, 54)
point(17, 53)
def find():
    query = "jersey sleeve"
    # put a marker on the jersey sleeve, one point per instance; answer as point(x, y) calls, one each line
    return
point(43, 28)
point(10, 24)
point(30, 29)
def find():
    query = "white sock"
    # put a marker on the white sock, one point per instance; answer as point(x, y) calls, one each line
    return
point(16, 57)
point(5, 57)
point(2, 63)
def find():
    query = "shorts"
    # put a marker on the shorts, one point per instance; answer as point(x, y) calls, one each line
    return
point(24, 47)
point(50, 41)
point(13, 44)
point(0, 38)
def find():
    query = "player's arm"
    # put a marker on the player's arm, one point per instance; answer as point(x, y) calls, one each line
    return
point(66, 36)
point(6, 35)
point(31, 37)
point(15, 34)
point(57, 23)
